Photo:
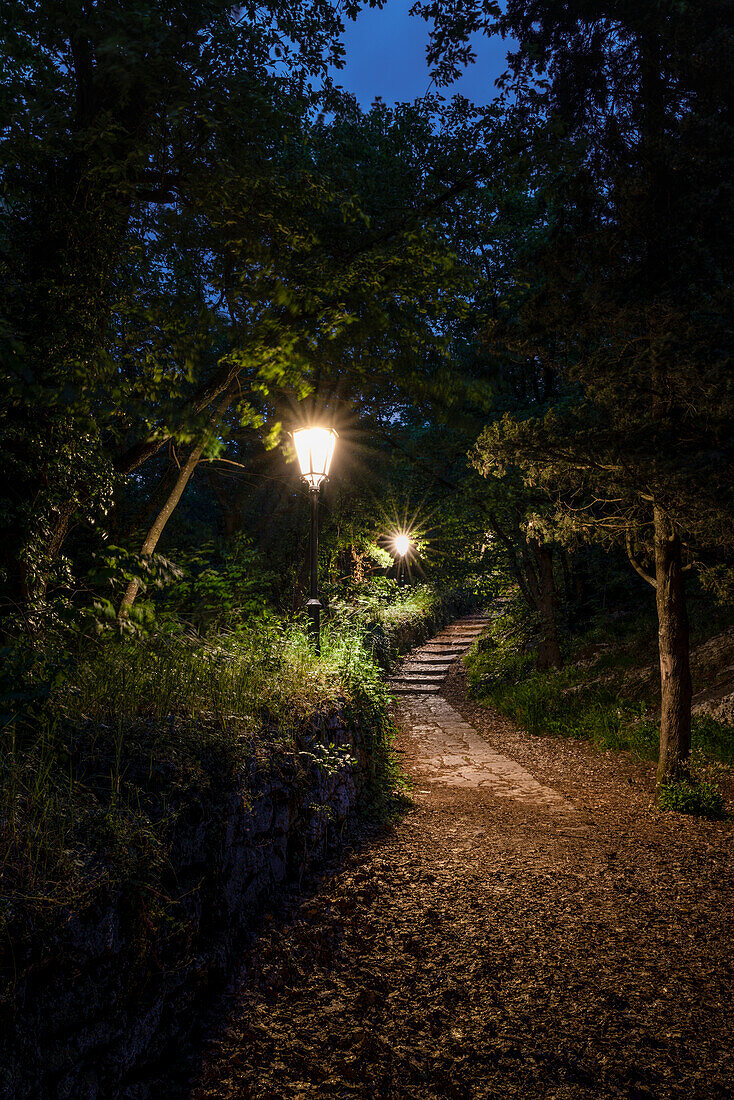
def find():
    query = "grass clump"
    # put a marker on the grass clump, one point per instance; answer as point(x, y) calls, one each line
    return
point(691, 795)
point(605, 693)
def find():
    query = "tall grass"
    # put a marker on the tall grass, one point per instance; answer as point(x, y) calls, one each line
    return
point(100, 747)
point(233, 680)
point(392, 618)
point(592, 697)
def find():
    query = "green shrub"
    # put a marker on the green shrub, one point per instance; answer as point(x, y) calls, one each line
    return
point(691, 796)
point(222, 586)
point(394, 618)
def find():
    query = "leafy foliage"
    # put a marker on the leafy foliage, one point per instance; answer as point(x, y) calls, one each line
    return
point(222, 587)
point(686, 796)
point(394, 618)
point(101, 747)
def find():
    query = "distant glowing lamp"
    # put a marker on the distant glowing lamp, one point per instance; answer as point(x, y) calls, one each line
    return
point(402, 545)
point(315, 450)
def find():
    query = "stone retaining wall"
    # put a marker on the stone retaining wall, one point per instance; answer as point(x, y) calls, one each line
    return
point(106, 995)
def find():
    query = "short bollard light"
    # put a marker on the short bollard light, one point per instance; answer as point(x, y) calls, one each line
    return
point(315, 450)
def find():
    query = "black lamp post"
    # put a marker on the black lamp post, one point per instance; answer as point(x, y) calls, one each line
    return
point(315, 449)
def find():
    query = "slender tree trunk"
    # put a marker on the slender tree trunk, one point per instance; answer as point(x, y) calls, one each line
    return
point(549, 650)
point(510, 550)
point(36, 593)
point(673, 640)
point(155, 532)
point(567, 575)
point(159, 493)
point(134, 457)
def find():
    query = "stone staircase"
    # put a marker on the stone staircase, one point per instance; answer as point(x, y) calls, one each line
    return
point(424, 669)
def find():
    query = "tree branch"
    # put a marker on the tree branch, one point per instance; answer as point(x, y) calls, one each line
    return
point(635, 564)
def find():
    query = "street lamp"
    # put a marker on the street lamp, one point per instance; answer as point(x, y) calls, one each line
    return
point(315, 449)
point(402, 546)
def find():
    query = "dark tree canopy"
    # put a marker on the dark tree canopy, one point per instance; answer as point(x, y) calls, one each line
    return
point(518, 316)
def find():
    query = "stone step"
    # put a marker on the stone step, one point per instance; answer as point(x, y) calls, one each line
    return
point(437, 658)
point(400, 689)
point(473, 628)
point(475, 624)
point(460, 634)
point(421, 674)
point(418, 679)
point(432, 658)
point(447, 654)
point(424, 666)
point(416, 685)
point(467, 639)
point(453, 650)
point(466, 628)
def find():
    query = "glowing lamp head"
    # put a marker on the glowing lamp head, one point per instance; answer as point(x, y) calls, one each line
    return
point(315, 449)
point(402, 545)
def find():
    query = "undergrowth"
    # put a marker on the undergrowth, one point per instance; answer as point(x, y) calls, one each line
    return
point(107, 740)
point(694, 795)
point(394, 618)
point(607, 694)
point(102, 746)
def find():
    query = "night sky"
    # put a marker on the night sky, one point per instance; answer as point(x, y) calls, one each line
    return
point(386, 56)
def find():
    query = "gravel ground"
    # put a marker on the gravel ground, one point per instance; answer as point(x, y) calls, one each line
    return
point(487, 947)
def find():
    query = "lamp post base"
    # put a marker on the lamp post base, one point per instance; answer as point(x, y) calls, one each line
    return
point(313, 609)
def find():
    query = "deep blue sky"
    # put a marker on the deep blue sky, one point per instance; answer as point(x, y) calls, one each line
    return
point(386, 56)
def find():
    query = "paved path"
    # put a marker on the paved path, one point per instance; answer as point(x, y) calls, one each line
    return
point(528, 929)
point(447, 749)
point(450, 751)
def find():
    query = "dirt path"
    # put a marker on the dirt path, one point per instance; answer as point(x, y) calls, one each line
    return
point(530, 928)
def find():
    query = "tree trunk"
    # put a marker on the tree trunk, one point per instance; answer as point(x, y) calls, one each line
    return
point(568, 591)
point(37, 594)
point(512, 557)
point(155, 532)
point(134, 457)
point(549, 650)
point(673, 641)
